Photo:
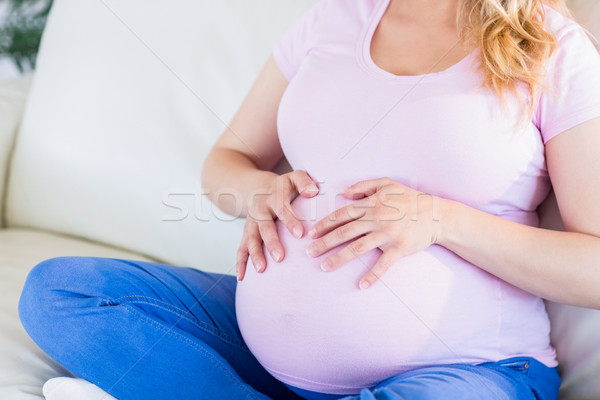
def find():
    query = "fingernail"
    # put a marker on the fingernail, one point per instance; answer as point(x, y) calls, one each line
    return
point(310, 250)
point(312, 188)
point(256, 267)
point(312, 232)
point(297, 232)
point(325, 265)
point(364, 285)
point(276, 255)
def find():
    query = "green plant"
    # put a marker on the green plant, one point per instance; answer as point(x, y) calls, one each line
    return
point(21, 30)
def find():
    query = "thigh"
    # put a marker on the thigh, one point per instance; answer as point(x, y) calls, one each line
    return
point(519, 378)
point(199, 303)
point(133, 316)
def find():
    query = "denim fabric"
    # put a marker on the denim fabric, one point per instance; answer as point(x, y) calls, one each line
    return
point(142, 330)
point(517, 378)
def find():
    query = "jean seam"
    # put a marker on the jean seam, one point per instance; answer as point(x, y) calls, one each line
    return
point(200, 324)
point(151, 298)
point(208, 329)
point(194, 346)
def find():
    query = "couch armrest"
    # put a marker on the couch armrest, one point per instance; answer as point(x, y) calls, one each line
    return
point(12, 104)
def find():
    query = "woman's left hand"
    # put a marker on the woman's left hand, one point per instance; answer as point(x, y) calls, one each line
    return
point(388, 215)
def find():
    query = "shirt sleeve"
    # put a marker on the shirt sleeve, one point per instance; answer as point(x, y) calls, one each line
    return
point(573, 93)
point(291, 48)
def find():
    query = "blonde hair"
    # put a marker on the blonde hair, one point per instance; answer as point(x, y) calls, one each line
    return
point(514, 44)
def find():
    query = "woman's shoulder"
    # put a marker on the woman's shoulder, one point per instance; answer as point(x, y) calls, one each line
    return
point(327, 18)
point(573, 73)
point(349, 6)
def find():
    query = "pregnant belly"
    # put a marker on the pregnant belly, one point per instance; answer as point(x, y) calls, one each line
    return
point(318, 331)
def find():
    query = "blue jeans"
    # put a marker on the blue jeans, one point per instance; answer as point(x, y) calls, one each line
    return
point(142, 330)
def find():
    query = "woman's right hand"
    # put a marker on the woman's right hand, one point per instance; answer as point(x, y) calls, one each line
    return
point(274, 202)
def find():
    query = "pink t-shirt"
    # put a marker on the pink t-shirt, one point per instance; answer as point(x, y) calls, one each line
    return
point(343, 119)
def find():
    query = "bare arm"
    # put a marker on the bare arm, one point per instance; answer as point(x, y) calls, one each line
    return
point(240, 160)
point(559, 266)
point(238, 168)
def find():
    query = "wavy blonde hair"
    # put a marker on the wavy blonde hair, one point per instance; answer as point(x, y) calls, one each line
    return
point(512, 39)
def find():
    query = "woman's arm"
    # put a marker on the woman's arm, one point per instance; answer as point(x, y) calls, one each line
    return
point(237, 172)
point(241, 159)
point(559, 266)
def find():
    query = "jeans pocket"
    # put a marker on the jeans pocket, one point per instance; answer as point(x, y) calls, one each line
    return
point(519, 364)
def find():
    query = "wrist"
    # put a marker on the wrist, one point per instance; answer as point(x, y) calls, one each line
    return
point(258, 183)
point(446, 217)
point(257, 178)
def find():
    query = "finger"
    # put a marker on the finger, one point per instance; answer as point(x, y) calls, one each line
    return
point(268, 232)
point(242, 254)
point(256, 252)
point(242, 260)
point(338, 218)
point(386, 260)
point(285, 213)
point(341, 234)
point(303, 183)
point(365, 188)
point(353, 250)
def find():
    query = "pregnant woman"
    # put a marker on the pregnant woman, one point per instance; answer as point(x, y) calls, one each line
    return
point(401, 258)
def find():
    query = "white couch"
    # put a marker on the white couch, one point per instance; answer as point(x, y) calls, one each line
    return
point(101, 150)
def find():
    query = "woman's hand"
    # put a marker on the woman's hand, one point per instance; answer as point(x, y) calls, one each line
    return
point(391, 216)
point(263, 208)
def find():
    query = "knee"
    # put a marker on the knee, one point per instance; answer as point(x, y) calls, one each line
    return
point(53, 274)
point(45, 286)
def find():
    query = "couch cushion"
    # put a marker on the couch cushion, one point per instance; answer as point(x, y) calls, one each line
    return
point(127, 100)
point(575, 334)
point(23, 366)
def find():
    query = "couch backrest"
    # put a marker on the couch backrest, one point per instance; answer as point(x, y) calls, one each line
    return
point(587, 13)
point(12, 101)
point(127, 100)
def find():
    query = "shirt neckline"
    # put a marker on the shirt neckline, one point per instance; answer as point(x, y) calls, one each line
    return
point(366, 61)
